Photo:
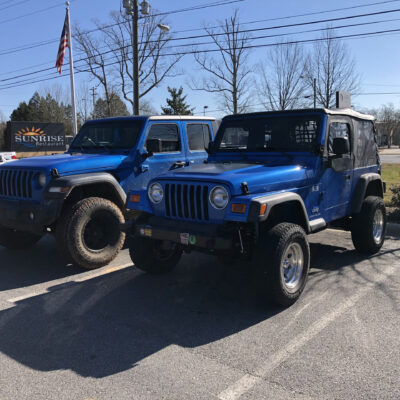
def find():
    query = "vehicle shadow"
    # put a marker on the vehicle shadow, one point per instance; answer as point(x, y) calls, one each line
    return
point(107, 325)
point(40, 263)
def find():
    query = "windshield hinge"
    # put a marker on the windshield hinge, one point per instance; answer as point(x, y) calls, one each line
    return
point(245, 188)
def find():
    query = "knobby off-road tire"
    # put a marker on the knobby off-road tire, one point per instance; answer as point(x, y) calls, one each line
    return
point(93, 235)
point(282, 262)
point(61, 233)
point(17, 240)
point(369, 226)
point(150, 256)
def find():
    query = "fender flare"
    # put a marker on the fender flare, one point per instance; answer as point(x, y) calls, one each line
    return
point(279, 198)
point(361, 189)
point(74, 181)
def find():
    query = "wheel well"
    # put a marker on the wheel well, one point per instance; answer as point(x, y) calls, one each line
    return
point(102, 190)
point(290, 211)
point(374, 188)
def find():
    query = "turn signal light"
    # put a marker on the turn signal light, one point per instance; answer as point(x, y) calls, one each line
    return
point(239, 208)
point(135, 198)
point(263, 208)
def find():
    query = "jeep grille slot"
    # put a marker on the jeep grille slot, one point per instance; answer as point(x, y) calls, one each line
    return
point(186, 201)
point(16, 183)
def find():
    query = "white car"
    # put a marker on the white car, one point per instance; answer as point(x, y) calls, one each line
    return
point(7, 156)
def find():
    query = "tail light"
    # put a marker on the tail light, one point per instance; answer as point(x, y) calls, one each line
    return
point(14, 157)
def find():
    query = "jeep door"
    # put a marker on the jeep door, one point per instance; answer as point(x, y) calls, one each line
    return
point(166, 141)
point(337, 174)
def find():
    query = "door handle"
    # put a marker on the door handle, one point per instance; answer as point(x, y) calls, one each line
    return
point(180, 164)
point(347, 177)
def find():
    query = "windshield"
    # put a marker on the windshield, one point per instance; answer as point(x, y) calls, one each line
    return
point(108, 135)
point(269, 133)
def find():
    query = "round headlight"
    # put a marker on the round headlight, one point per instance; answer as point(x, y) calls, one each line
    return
point(219, 197)
point(156, 192)
point(42, 179)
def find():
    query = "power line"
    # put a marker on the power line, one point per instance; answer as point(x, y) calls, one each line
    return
point(43, 43)
point(305, 41)
point(205, 43)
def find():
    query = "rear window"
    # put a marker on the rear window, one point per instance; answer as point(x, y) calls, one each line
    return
point(270, 133)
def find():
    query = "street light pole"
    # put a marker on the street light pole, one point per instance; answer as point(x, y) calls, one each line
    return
point(135, 60)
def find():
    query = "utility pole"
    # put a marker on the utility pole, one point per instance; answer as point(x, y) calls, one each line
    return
point(132, 8)
point(315, 92)
point(93, 89)
point(135, 52)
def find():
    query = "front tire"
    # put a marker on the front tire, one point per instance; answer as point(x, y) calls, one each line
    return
point(369, 226)
point(93, 234)
point(17, 240)
point(154, 256)
point(282, 261)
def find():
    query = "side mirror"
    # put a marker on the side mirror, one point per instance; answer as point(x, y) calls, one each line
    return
point(341, 146)
point(209, 148)
point(154, 146)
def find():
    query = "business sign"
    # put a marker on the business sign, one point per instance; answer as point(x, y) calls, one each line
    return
point(36, 136)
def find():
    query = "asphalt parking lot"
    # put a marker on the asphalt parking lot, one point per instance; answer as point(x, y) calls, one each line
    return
point(200, 332)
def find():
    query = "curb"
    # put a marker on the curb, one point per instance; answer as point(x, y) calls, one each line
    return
point(393, 229)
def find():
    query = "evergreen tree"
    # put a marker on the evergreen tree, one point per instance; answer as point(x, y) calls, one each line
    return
point(176, 104)
point(117, 107)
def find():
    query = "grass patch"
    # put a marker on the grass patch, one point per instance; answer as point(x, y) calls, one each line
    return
point(391, 175)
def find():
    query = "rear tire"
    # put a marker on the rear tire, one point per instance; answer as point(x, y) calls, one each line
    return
point(93, 235)
point(17, 240)
point(150, 256)
point(282, 260)
point(369, 226)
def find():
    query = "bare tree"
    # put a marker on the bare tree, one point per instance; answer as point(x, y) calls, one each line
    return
point(389, 124)
point(228, 72)
point(281, 85)
point(333, 67)
point(97, 62)
point(113, 61)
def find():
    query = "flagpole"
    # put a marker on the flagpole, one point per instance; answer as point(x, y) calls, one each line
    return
point(71, 73)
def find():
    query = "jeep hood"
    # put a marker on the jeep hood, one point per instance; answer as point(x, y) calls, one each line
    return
point(260, 178)
point(68, 164)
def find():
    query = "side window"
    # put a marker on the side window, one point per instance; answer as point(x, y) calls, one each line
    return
point(199, 136)
point(167, 135)
point(337, 129)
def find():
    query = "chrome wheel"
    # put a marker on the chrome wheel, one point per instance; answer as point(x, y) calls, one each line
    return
point(292, 266)
point(377, 226)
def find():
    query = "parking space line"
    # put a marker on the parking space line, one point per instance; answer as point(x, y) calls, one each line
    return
point(66, 282)
point(248, 381)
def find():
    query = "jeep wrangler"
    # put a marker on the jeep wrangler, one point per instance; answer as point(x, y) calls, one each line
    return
point(80, 196)
point(270, 179)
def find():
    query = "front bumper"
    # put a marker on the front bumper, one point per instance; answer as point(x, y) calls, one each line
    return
point(188, 234)
point(29, 216)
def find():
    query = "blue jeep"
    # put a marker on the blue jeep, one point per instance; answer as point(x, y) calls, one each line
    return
point(271, 178)
point(80, 196)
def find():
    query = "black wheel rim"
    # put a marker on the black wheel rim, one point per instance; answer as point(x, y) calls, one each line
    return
point(101, 231)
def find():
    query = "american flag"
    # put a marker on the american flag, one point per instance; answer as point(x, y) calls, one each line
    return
point(63, 44)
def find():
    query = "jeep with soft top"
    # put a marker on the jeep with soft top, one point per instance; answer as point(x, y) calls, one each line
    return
point(271, 179)
point(80, 196)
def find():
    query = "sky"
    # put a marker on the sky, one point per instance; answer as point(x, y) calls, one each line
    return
point(30, 32)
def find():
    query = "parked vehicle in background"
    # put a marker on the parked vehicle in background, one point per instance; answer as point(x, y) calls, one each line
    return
point(271, 179)
point(80, 196)
point(7, 156)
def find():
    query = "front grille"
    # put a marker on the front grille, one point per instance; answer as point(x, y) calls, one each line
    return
point(187, 201)
point(16, 183)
